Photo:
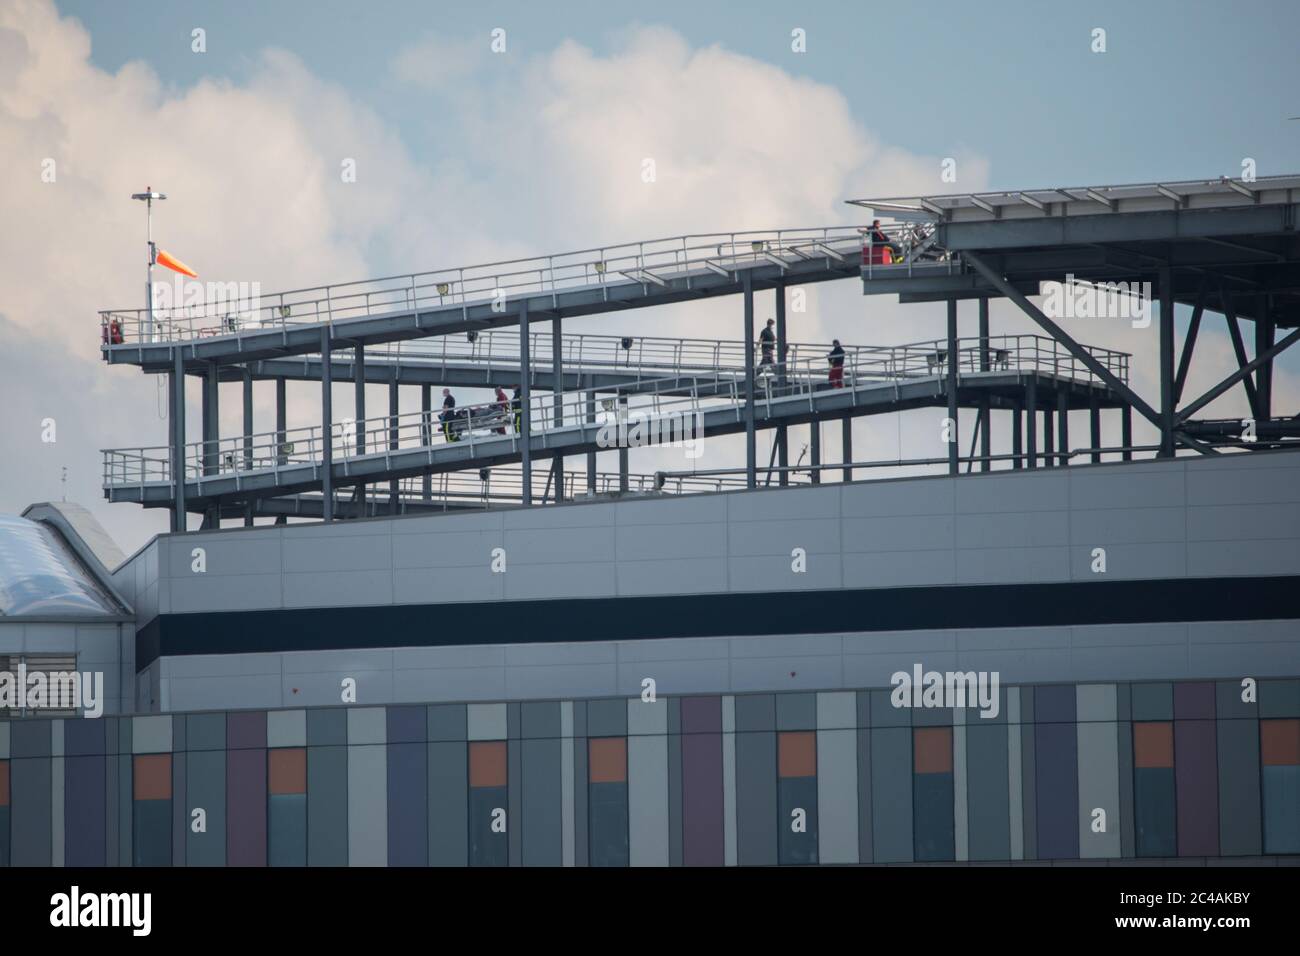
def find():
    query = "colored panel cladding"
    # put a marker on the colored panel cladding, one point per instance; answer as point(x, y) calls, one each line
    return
point(797, 796)
point(84, 820)
point(1153, 745)
point(4, 812)
point(153, 777)
point(1154, 789)
point(607, 809)
point(487, 763)
point(488, 801)
point(4, 783)
point(287, 806)
point(797, 754)
point(408, 810)
point(152, 809)
point(287, 770)
point(1240, 823)
point(1279, 744)
point(703, 841)
point(934, 823)
point(246, 806)
point(988, 797)
point(1196, 778)
point(607, 761)
point(1056, 787)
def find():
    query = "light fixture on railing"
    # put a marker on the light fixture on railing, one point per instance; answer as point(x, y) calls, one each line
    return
point(756, 245)
point(443, 288)
point(600, 267)
point(626, 342)
point(471, 335)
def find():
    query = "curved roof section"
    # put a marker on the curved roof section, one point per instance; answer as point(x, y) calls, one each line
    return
point(40, 576)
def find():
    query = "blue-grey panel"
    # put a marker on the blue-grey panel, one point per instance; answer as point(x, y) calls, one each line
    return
point(1057, 786)
point(1228, 703)
point(1029, 798)
point(407, 725)
point(865, 841)
point(448, 722)
point(581, 853)
point(1239, 797)
point(674, 785)
point(83, 823)
point(367, 805)
point(31, 807)
point(885, 714)
point(29, 738)
point(891, 793)
point(756, 798)
point(542, 801)
point(607, 717)
point(540, 719)
point(987, 801)
point(1124, 734)
point(327, 804)
point(796, 711)
point(755, 712)
point(408, 811)
point(1153, 701)
point(205, 788)
point(514, 796)
point(327, 727)
point(448, 806)
point(1279, 698)
point(837, 796)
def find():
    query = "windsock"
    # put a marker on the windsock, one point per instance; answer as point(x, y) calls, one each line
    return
point(165, 259)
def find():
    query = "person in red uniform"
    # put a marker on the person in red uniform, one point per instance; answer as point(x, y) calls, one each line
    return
point(836, 358)
point(503, 407)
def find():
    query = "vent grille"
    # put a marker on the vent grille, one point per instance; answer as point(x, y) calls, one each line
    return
point(60, 698)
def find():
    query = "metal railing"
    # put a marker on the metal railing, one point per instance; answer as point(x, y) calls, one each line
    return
point(676, 403)
point(651, 262)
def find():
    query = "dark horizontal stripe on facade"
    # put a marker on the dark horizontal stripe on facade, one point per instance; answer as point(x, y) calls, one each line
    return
point(582, 620)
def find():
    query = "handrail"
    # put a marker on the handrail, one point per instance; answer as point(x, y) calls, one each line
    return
point(681, 399)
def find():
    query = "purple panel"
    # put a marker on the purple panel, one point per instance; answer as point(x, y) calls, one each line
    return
point(246, 805)
point(84, 781)
point(701, 797)
point(407, 725)
point(701, 715)
point(1194, 701)
point(246, 731)
point(83, 738)
point(1197, 782)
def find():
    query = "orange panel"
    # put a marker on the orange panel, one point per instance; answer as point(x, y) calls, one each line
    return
point(796, 754)
point(1279, 743)
point(932, 750)
point(153, 777)
point(287, 770)
point(487, 763)
point(608, 759)
point(1153, 745)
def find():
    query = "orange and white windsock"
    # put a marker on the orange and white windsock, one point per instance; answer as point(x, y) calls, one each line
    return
point(166, 259)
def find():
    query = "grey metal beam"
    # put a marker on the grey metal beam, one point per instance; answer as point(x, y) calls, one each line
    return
point(211, 421)
point(751, 448)
point(179, 517)
point(846, 443)
point(1264, 331)
point(1238, 349)
point(622, 446)
point(1059, 334)
point(815, 446)
point(248, 437)
point(591, 455)
point(1017, 446)
point(1031, 421)
point(1094, 426)
point(1049, 437)
point(1166, 363)
point(281, 414)
point(1189, 345)
point(327, 423)
point(426, 429)
point(986, 438)
point(359, 395)
point(951, 387)
point(782, 351)
point(1062, 425)
point(557, 369)
point(1126, 431)
point(393, 411)
point(525, 404)
point(1240, 375)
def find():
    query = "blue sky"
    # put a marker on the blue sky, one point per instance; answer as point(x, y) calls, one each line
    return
point(1185, 89)
point(467, 157)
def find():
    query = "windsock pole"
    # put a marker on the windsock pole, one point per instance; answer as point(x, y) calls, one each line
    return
point(148, 196)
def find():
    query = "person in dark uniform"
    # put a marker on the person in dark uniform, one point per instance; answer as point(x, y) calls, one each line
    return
point(517, 406)
point(836, 358)
point(767, 344)
point(447, 414)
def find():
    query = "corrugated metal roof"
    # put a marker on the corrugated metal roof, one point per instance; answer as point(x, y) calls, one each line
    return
point(40, 576)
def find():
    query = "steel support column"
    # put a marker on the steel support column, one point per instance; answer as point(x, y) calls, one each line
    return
point(211, 421)
point(1189, 345)
point(846, 441)
point(951, 387)
point(986, 438)
point(782, 351)
point(426, 436)
point(281, 414)
point(1062, 425)
point(557, 395)
point(622, 443)
point(327, 424)
point(1017, 432)
point(248, 438)
point(525, 404)
point(1094, 425)
point(1166, 363)
point(393, 411)
point(591, 455)
point(1126, 431)
point(1049, 437)
point(1238, 349)
point(751, 448)
point(1031, 421)
point(815, 446)
point(178, 521)
point(1264, 333)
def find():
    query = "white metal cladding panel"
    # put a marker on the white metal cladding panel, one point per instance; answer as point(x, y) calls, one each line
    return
point(368, 805)
point(647, 800)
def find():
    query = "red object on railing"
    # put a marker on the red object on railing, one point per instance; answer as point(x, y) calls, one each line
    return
point(878, 255)
point(111, 333)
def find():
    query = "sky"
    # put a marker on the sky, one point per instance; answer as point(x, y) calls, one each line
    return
point(464, 154)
